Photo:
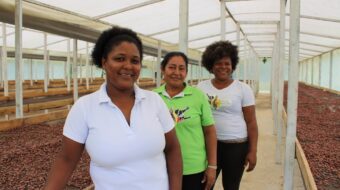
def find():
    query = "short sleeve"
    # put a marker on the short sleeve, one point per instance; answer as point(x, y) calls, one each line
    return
point(164, 115)
point(207, 118)
point(248, 96)
point(75, 127)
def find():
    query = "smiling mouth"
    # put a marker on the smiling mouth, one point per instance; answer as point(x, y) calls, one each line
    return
point(127, 75)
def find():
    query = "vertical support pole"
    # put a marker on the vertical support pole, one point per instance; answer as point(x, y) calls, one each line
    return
point(320, 70)
point(223, 13)
point(292, 93)
point(4, 59)
point(281, 80)
point(80, 69)
point(183, 25)
point(158, 65)
point(87, 66)
point(46, 64)
point(312, 75)
point(245, 60)
point(238, 47)
point(31, 72)
point(68, 66)
point(74, 70)
point(18, 60)
point(331, 71)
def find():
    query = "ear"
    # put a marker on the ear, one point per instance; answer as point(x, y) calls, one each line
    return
point(103, 63)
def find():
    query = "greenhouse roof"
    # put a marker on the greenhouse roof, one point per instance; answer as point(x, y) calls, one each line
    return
point(159, 20)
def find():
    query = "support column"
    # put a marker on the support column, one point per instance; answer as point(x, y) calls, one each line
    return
point(183, 25)
point(331, 71)
point(281, 80)
point(74, 70)
point(223, 13)
point(68, 73)
point(31, 72)
point(87, 66)
point(80, 69)
point(4, 59)
point(320, 70)
point(294, 32)
point(238, 33)
point(46, 64)
point(18, 60)
point(158, 66)
point(245, 60)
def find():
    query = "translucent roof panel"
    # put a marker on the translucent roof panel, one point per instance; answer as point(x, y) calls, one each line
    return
point(86, 7)
point(159, 20)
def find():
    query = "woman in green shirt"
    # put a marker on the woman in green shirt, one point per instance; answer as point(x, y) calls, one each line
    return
point(194, 123)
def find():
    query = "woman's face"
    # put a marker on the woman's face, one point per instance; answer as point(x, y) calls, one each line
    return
point(175, 71)
point(122, 66)
point(222, 69)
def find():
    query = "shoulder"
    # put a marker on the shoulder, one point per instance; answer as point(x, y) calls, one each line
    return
point(197, 92)
point(203, 83)
point(242, 85)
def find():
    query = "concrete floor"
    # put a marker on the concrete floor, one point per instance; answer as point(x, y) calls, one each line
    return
point(267, 175)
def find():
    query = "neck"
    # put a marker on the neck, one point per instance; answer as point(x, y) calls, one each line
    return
point(173, 90)
point(115, 93)
point(222, 83)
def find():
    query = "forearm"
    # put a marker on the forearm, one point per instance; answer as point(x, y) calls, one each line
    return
point(175, 168)
point(60, 173)
point(211, 144)
point(64, 165)
point(252, 136)
point(173, 158)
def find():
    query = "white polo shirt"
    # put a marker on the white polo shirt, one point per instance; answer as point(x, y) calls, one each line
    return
point(226, 105)
point(122, 156)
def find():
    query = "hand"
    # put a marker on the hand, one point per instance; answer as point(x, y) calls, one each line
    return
point(250, 161)
point(209, 178)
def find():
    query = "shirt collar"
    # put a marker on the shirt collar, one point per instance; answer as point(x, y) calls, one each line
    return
point(103, 96)
point(186, 91)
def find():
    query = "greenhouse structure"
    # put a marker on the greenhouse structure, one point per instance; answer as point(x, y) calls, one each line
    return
point(289, 55)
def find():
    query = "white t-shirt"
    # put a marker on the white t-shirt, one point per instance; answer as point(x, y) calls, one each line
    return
point(226, 105)
point(122, 156)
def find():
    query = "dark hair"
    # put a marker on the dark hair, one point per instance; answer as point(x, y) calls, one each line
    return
point(111, 38)
point(217, 51)
point(169, 55)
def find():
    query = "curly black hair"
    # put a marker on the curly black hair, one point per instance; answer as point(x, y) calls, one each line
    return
point(111, 38)
point(217, 51)
point(169, 55)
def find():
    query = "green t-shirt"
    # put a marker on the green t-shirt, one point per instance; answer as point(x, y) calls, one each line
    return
point(190, 110)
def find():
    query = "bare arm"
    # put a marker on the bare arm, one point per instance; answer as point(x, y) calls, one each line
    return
point(211, 147)
point(64, 165)
point(173, 160)
point(250, 118)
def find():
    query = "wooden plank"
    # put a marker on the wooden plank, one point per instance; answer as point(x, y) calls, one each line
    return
point(11, 109)
point(322, 88)
point(304, 167)
point(35, 119)
point(50, 104)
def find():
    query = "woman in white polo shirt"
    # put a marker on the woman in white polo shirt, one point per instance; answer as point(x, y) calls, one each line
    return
point(128, 132)
point(233, 106)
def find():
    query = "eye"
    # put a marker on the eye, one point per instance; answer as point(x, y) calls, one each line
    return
point(119, 58)
point(135, 61)
point(182, 68)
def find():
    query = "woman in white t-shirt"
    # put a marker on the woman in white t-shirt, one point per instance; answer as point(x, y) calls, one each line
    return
point(128, 132)
point(233, 106)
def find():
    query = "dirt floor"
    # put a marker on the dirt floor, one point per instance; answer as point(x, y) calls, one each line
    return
point(318, 131)
point(27, 154)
